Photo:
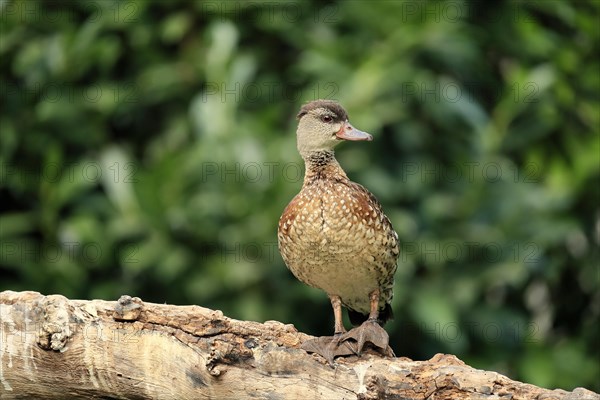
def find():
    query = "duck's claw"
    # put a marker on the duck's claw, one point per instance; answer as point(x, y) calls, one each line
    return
point(369, 331)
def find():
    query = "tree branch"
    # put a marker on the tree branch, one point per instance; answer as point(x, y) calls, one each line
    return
point(54, 348)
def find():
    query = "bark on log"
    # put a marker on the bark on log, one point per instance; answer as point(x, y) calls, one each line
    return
point(55, 348)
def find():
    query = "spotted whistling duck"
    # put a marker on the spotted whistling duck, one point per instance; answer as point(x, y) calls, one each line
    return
point(334, 236)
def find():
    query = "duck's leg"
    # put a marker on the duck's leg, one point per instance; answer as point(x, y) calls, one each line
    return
point(336, 303)
point(370, 330)
point(331, 346)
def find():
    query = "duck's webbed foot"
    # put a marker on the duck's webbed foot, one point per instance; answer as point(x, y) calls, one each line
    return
point(329, 347)
point(368, 332)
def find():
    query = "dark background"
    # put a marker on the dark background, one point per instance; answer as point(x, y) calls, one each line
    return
point(148, 148)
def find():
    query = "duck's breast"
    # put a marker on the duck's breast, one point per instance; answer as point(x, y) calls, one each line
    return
point(334, 236)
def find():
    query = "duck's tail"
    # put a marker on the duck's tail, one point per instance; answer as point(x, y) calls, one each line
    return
point(385, 314)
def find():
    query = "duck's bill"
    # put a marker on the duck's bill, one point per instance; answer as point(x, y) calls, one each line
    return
point(348, 132)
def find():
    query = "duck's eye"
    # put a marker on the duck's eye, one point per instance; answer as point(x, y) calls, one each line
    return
point(327, 118)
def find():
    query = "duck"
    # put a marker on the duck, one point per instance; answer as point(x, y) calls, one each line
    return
point(334, 236)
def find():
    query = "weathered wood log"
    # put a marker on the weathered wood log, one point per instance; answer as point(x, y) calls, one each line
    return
point(55, 348)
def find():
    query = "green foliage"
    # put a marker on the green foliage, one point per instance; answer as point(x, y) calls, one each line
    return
point(147, 148)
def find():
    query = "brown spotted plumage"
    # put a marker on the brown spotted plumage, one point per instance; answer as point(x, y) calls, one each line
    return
point(334, 235)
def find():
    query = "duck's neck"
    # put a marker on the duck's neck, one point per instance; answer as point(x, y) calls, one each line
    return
point(322, 165)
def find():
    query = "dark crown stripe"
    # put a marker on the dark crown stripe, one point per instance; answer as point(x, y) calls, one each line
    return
point(333, 106)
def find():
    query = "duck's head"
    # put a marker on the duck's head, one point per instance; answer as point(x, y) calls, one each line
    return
point(322, 124)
